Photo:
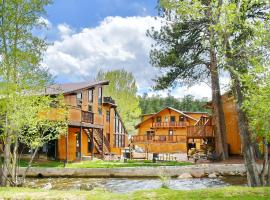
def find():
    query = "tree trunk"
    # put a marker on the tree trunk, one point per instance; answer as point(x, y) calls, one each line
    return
point(29, 165)
point(248, 147)
point(14, 163)
point(6, 162)
point(218, 113)
point(264, 171)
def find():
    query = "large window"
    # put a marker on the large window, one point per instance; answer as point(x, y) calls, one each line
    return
point(158, 119)
point(79, 99)
point(172, 119)
point(119, 136)
point(107, 116)
point(99, 95)
point(90, 96)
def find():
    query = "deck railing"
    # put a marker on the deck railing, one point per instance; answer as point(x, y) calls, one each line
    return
point(87, 117)
point(200, 131)
point(169, 124)
point(159, 138)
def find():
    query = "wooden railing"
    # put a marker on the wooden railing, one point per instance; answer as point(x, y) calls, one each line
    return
point(108, 100)
point(87, 117)
point(200, 131)
point(169, 124)
point(159, 138)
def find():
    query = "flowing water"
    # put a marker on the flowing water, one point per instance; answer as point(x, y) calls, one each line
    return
point(122, 185)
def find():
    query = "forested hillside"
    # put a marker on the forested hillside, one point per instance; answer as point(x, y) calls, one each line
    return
point(156, 103)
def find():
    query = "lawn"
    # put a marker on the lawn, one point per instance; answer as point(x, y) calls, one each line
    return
point(103, 164)
point(163, 194)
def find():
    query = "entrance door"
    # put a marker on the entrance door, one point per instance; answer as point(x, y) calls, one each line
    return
point(51, 150)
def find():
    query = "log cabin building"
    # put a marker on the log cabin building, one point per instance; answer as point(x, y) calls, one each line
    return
point(169, 130)
point(95, 127)
point(172, 131)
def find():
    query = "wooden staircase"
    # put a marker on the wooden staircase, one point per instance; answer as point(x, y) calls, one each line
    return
point(100, 141)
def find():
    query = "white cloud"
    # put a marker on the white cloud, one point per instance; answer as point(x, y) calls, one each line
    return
point(115, 44)
point(45, 22)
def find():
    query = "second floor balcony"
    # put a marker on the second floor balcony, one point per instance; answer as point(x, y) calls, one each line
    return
point(169, 124)
point(200, 131)
point(158, 139)
point(78, 115)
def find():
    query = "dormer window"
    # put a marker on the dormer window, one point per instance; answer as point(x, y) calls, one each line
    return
point(79, 99)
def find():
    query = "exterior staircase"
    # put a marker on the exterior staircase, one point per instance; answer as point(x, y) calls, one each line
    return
point(100, 141)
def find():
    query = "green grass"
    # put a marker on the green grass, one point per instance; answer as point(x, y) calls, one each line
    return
point(230, 193)
point(103, 164)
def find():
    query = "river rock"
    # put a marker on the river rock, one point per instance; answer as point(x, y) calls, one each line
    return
point(197, 174)
point(47, 186)
point(185, 176)
point(212, 175)
point(86, 187)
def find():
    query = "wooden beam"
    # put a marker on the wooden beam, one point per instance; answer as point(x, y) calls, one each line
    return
point(92, 142)
point(67, 148)
point(80, 143)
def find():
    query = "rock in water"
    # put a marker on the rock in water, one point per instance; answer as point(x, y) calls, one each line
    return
point(197, 174)
point(213, 175)
point(185, 176)
point(47, 186)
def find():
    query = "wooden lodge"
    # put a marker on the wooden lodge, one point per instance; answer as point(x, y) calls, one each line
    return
point(174, 131)
point(169, 130)
point(95, 127)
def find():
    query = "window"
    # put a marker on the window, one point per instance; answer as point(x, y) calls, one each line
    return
point(90, 108)
point(172, 119)
point(107, 116)
point(90, 95)
point(99, 95)
point(99, 110)
point(79, 99)
point(182, 119)
point(166, 119)
point(158, 119)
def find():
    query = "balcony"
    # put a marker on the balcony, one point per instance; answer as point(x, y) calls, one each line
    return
point(200, 131)
point(76, 115)
point(108, 100)
point(169, 124)
point(87, 117)
point(159, 139)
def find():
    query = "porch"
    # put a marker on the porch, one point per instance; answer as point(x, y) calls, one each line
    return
point(158, 139)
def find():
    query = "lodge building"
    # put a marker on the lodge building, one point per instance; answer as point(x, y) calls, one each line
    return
point(95, 127)
point(172, 131)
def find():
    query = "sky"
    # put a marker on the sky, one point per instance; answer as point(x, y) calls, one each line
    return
point(87, 36)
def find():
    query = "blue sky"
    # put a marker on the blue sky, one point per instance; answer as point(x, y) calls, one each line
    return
point(88, 13)
point(87, 36)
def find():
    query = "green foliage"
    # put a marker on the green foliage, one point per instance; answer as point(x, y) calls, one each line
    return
point(257, 104)
point(187, 103)
point(123, 89)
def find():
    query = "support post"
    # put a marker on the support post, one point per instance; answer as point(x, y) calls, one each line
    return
point(102, 143)
point(66, 149)
point(92, 142)
point(81, 143)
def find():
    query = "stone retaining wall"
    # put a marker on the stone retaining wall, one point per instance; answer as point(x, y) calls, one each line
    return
point(222, 169)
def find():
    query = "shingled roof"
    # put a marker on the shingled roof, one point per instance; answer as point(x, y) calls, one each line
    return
point(72, 87)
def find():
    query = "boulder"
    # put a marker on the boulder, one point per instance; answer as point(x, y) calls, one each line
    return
point(47, 186)
point(185, 176)
point(197, 174)
point(212, 175)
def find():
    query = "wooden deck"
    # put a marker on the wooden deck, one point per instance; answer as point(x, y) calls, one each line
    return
point(158, 139)
point(200, 132)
